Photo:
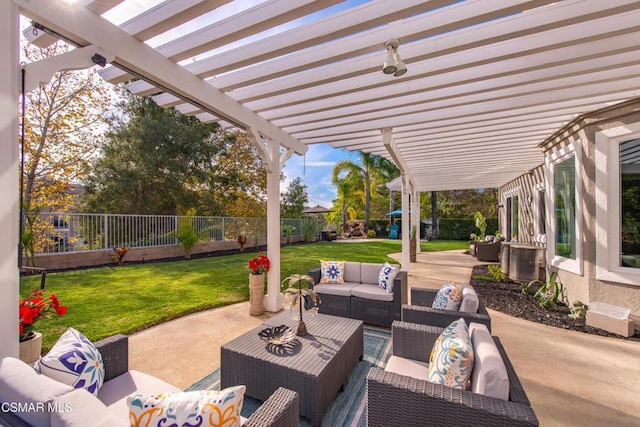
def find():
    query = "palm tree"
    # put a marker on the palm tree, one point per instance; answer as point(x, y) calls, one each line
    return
point(344, 188)
point(371, 170)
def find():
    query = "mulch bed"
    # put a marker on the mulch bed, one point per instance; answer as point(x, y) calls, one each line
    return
point(508, 298)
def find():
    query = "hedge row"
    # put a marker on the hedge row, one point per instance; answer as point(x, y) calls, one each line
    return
point(450, 228)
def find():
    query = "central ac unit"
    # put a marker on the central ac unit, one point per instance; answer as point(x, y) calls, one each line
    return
point(523, 263)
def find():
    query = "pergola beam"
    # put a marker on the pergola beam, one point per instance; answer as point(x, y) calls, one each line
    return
point(84, 27)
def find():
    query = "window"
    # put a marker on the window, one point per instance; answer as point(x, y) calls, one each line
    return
point(630, 203)
point(564, 186)
point(618, 204)
point(512, 216)
point(563, 209)
point(540, 213)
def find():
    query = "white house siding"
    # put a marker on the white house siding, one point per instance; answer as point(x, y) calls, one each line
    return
point(581, 133)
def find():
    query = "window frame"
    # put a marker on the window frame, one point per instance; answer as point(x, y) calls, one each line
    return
point(576, 265)
point(607, 162)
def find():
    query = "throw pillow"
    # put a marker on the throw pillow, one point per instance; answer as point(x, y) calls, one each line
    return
point(387, 274)
point(192, 408)
point(332, 271)
point(447, 298)
point(451, 359)
point(75, 361)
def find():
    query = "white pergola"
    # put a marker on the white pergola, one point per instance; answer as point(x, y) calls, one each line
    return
point(487, 82)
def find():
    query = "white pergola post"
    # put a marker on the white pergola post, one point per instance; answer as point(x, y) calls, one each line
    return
point(273, 162)
point(406, 260)
point(9, 182)
point(273, 299)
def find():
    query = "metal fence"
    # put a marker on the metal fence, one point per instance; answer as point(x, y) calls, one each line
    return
point(74, 232)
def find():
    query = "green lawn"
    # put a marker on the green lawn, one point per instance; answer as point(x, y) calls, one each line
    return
point(128, 298)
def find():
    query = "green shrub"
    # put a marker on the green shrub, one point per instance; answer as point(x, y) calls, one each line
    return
point(496, 273)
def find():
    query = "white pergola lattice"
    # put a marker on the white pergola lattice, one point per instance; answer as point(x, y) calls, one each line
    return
point(487, 80)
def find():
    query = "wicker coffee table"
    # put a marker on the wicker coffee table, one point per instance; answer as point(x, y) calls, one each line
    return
point(317, 365)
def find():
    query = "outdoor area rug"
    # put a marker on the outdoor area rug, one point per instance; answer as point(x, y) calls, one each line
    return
point(349, 407)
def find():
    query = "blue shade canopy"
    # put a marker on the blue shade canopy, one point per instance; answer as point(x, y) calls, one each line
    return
point(397, 212)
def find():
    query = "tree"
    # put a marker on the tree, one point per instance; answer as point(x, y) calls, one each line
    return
point(293, 200)
point(158, 161)
point(62, 124)
point(371, 171)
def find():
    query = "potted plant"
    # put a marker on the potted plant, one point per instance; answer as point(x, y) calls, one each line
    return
point(413, 245)
point(31, 309)
point(296, 295)
point(258, 266)
point(287, 230)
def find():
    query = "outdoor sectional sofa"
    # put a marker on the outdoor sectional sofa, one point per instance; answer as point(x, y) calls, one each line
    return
point(360, 297)
point(19, 382)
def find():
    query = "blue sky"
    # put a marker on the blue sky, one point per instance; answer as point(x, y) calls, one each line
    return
point(315, 170)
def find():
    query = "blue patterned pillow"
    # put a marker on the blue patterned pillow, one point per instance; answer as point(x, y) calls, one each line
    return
point(332, 271)
point(451, 359)
point(75, 361)
point(447, 298)
point(387, 274)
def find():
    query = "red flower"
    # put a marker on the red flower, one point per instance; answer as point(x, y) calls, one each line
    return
point(259, 264)
point(35, 305)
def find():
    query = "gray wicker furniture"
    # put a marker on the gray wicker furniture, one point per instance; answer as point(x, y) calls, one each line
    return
point(360, 297)
point(281, 409)
point(394, 399)
point(420, 311)
point(488, 251)
point(316, 365)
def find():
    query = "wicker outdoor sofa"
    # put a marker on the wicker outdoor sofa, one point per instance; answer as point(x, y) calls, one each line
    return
point(420, 311)
point(360, 297)
point(108, 408)
point(395, 399)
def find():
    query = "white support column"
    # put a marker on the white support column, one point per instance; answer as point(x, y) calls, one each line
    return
point(406, 260)
point(9, 182)
point(273, 299)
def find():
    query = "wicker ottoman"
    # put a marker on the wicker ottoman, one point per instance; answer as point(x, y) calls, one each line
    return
point(317, 365)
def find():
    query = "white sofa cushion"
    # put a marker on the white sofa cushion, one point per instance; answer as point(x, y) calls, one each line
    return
point(369, 273)
point(372, 292)
point(342, 289)
point(352, 272)
point(114, 393)
point(20, 383)
point(489, 376)
point(408, 367)
point(80, 408)
point(75, 361)
point(470, 301)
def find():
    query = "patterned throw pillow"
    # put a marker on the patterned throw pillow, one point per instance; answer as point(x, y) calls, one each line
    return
point(447, 298)
point(387, 274)
point(332, 271)
point(451, 359)
point(192, 408)
point(75, 361)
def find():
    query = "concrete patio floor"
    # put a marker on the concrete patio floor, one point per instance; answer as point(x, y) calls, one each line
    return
point(571, 378)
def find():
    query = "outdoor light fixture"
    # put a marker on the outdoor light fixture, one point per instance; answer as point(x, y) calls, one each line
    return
point(99, 60)
point(394, 64)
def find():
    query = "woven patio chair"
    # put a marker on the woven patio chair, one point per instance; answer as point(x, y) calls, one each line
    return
point(394, 399)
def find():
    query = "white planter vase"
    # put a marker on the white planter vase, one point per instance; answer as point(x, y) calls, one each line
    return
point(256, 294)
point(30, 350)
